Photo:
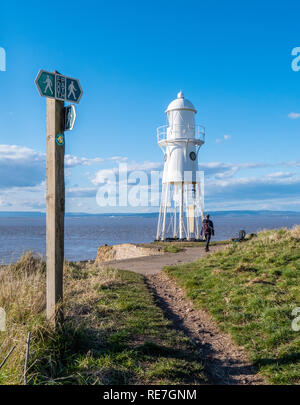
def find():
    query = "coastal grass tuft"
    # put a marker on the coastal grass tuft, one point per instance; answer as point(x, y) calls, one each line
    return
point(172, 249)
point(113, 332)
point(183, 244)
point(22, 296)
point(250, 289)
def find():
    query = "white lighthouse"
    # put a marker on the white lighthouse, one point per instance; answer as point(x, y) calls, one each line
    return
point(181, 207)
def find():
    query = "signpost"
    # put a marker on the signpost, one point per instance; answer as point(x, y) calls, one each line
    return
point(54, 85)
point(58, 89)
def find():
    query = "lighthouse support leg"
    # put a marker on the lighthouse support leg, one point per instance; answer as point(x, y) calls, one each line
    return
point(188, 234)
point(158, 233)
point(200, 197)
point(165, 211)
point(181, 212)
point(198, 210)
point(175, 213)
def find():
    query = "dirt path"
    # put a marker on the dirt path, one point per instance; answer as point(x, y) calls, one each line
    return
point(225, 363)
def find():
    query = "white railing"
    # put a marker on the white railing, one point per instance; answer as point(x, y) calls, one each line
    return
point(177, 130)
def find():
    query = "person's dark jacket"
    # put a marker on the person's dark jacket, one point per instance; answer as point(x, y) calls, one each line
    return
point(207, 227)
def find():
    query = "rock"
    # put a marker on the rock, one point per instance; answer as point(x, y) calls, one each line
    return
point(123, 251)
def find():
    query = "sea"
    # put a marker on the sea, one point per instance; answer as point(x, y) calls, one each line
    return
point(21, 232)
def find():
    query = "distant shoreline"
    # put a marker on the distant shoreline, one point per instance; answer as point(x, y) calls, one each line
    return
point(16, 214)
point(85, 233)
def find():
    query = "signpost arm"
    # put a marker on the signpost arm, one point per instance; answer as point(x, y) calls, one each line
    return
point(55, 200)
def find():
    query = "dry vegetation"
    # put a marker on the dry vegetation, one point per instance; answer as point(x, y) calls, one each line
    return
point(22, 296)
point(113, 332)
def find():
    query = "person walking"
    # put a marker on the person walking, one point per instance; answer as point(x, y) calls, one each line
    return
point(208, 231)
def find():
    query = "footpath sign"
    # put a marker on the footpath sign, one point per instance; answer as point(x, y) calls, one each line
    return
point(58, 89)
point(55, 85)
point(70, 117)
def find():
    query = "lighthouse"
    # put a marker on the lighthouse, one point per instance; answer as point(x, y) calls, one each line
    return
point(182, 197)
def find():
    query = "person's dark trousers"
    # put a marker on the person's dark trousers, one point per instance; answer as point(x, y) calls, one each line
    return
point(207, 238)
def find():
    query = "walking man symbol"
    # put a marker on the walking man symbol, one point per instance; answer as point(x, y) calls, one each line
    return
point(48, 83)
point(72, 90)
point(69, 117)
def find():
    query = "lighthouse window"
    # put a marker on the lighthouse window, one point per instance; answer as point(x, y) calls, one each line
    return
point(193, 155)
point(166, 157)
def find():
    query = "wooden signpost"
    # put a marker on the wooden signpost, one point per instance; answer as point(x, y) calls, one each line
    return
point(57, 89)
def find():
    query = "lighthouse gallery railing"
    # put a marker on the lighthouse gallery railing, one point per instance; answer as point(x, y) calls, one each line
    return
point(179, 129)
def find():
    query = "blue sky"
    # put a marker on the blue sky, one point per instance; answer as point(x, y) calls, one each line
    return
point(231, 59)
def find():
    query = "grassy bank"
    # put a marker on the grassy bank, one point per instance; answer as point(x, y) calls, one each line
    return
point(113, 331)
point(250, 289)
point(181, 245)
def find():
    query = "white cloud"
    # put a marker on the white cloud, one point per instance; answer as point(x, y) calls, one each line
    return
point(293, 163)
point(20, 166)
point(112, 175)
point(280, 175)
point(226, 137)
point(294, 115)
point(24, 167)
point(118, 158)
point(15, 152)
point(4, 203)
point(34, 205)
point(222, 170)
point(227, 173)
point(267, 187)
point(72, 161)
point(146, 166)
point(22, 178)
point(105, 176)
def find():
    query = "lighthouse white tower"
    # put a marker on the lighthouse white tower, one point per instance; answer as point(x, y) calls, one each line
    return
point(181, 207)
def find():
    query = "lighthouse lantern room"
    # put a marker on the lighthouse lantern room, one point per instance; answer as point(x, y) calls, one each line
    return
point(182, 198)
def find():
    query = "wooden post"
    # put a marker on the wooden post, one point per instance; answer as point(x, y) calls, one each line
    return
point(55, 201)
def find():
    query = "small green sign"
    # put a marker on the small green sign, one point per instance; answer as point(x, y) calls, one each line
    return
point(46, 84)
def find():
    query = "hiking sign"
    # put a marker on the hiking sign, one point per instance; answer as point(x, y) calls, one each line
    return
point(70, 117)
point(55, 85)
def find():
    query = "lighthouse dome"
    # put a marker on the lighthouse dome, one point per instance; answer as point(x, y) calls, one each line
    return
point(181, 103)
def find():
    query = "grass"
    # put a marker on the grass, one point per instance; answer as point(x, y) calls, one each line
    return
point(250, 289)
point(22, 287)
point(113, 332)
point(182, 245)
point(172, 249)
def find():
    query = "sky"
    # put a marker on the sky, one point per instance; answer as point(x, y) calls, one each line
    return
point(232, 59)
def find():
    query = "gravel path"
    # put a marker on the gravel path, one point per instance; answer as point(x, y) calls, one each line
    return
point(154, 264)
